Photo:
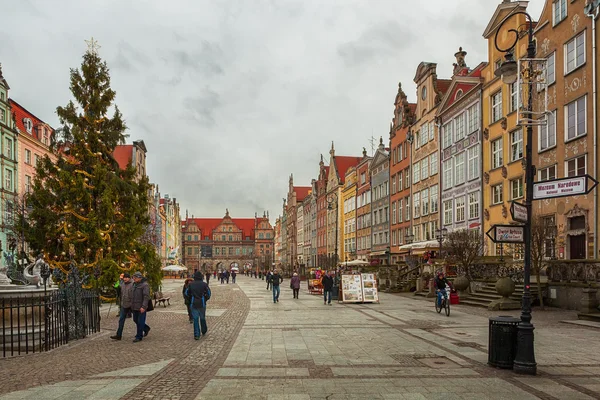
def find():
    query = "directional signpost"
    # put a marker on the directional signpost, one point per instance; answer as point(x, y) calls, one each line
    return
point(518, 212)
point(574, 186)
point(507, 233)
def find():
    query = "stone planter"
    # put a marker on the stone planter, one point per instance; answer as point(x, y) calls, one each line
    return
point(505, 287)
point(589, 301)
point(461, 284)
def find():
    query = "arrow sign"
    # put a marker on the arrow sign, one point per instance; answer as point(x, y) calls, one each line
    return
point(507, 233)
point(518, 212)
point(574, 186)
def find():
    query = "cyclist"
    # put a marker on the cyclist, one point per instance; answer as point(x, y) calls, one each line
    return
point(440, 283)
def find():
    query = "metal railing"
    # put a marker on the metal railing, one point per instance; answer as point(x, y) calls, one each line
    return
point(32, 323)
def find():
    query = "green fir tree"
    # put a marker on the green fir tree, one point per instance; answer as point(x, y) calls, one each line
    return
point(84, 210)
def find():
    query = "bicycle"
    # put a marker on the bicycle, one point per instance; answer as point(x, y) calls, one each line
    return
point(445, 304)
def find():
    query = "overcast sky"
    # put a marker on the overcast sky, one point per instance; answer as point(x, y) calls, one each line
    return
point(232, 96)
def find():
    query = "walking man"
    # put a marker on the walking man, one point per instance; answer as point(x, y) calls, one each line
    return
point(233, 275)
point(208, 274)
point(268, 280)
point(327, 282)
point(125, 303)
point(139, 304)
point(199, 293)
point(276, 279)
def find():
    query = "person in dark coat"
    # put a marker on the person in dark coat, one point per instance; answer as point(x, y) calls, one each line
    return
point(124, 303)
point(327, 282)
point(139, 304)
point(186, 298)
point(276, 279)
point(208, 274)
point(295, 285)
point(227, 274)
point(199, 293)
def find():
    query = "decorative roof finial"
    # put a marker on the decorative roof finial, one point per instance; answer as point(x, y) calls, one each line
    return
point(364, 151)
point(460, 64)
point(227, 212)
point(93, 46)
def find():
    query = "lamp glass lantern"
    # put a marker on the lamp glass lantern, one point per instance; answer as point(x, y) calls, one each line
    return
point(508, 70)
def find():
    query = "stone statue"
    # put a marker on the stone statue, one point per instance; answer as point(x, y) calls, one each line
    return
point(32, 272)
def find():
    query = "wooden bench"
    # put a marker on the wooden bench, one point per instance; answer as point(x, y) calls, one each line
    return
point(160, 298)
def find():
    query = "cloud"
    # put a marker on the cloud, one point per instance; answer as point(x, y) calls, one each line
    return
point(202, 107)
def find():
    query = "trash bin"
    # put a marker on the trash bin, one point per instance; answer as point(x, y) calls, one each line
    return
point(335, 292)
point(502, 341)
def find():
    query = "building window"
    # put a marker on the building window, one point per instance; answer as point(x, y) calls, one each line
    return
point(497, 194)
point(425, 168)
point(547, 132)
point(516, 145)
point(575, 121)
point(433, 162)
point(28, 125)
point(459, 167)
point(496, 106)
point(547, 174)
point(189, 251)
point(516, 188)
point(424, 134)
point(223, 238)
point(497, 160)
point(417, 205)
point(459, 127)
point(394, 184)
point(189, 238)
point(8, 180)
point(559, 11)
point(447, 136)
point(400, 210)
point(473, 162)
point(407, 208)
point(45, 136)
point(434, 198)
point(37, 160)
point(473, 118)
point(8, 148)
point(575, 53)
point(425, 201)
point(551, 69)
point(196, 238)
point(460, 209)
point(515, 97)
point(407, 177)
point(27, 156)
point(363, 178)
point(447, 174)
point(576, 166)
point(431, 130)
point(447, 212)
point(400, 181)
point(27, 184)
point(473, 205)
point(417, 172)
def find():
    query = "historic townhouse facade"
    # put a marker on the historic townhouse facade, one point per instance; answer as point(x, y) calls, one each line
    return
point(295, 196)
point(310, 228)
point(211, 244)
point(363, 207)
point(380, 205)
point(459, 115)
point(425, 158)
point(503, 141)
point(404, 116)
point(300, 259)
point(8, 165)
point(564, 146)
point(349, 215)
point(278, 243)
point(322, 257)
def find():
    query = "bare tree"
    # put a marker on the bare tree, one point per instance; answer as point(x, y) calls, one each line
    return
point(543, 230)
point(463, 247)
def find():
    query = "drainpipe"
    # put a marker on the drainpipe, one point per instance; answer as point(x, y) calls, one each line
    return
point(593, 11)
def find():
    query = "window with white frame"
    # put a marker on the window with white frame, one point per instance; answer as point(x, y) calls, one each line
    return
point(459, 127)
point(27, 184)
point(575, 53)
point(27, 156)
point(407, 178)
point(417, 139)
point(497, 106)
point(460, 208)
point(433, 196)
point(447, 136)
point(459, 168)
point(417, 233)
point(575, 121)
point(417, 172)
point(516, 188)
point(497, 159)
point(547, 132)
point(473, 205)
point(551, 69)
point(433, 164)
point(400, 210)
point(394, 184)
point(497, 195)
point(407, 208)
point(473, 162)
point(425, 201)
point(473, 118)
point(400, 181)
point(8, 179)
point(447, 177)
point(8, 148)
point(548, 173)
point(425, 168)
point(448, 212)
point(576, 166)
point(394, 213)
point(431, 130)
point(515, 97)
point(417, 205)
point(559, 11)
point(516, 145)
point(424, 134)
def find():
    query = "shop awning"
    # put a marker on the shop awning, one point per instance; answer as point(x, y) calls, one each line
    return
point(406, 247)
point(377, 253)
point(430, 244)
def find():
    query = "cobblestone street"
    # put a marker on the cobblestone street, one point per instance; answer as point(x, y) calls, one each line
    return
point(301, 349)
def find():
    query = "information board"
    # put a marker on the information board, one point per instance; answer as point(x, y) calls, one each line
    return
point(352, 289)
point(369, 285)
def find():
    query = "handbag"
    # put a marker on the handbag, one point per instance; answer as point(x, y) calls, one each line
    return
point(150, 305)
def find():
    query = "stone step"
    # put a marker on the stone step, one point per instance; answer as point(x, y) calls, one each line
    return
point(471, 301)
point(594, 317)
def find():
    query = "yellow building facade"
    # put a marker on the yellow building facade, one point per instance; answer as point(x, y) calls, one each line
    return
point(503, 141)
point(348, 223)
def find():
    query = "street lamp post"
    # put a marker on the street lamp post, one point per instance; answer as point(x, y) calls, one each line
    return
point(524, 362)
point(440, 234)
point(409, 239)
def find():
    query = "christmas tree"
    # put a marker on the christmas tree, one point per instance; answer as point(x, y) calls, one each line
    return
point(85, 211)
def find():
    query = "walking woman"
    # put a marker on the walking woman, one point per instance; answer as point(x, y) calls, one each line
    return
point(187, 298)
point(295, 284)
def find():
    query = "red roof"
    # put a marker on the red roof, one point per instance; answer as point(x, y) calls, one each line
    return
point(443, 85)
point(302, 192)
point(207, 225)
point(123, 154)
point(20, 114)
point(342, 164)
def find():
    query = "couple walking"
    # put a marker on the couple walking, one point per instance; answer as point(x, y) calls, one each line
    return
point(135, 299)
point(196, 293)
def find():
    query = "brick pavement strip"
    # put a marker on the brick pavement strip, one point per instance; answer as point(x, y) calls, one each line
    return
point(171, 337)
